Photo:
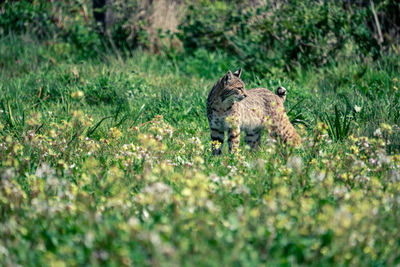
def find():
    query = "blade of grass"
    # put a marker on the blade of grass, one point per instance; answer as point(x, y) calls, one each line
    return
point(91, 131)
point(138, 115)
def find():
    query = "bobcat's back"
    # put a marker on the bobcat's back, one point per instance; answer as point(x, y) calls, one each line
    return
point(261, 104)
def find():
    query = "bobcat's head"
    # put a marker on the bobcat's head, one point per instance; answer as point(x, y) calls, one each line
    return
point(232, 87)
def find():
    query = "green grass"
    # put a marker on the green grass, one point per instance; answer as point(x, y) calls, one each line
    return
point(107, 162)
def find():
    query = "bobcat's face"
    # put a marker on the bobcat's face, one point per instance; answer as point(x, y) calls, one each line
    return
point(232, 87)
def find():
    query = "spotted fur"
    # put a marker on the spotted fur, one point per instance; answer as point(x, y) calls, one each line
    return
point(233, 109)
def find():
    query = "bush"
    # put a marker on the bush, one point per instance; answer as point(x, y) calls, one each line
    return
point(271, 37)
point(277, 36)
point(69, 22)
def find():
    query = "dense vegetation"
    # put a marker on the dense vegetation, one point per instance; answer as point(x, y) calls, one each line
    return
point(105, 150)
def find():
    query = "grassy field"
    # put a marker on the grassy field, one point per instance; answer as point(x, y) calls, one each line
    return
point(107, 162)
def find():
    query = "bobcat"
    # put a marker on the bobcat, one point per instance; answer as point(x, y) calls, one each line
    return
point(231, 108)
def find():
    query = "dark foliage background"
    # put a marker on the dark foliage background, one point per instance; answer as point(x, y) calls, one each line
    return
point(266, 36)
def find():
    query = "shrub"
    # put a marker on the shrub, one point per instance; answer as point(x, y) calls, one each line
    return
point(271, 37)
point(276, 36)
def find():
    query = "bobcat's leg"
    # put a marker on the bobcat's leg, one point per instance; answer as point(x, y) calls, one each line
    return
point(253, 139)
point(217, 141)
point(285, 130)
point(233, 139)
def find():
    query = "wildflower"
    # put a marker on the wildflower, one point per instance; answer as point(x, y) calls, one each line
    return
point(133, 222)
point(78, 114)
point(89, 239)
point(233, 169)
point(115, 172)
point(195, 140)
point(101, 254)
point(75, 72)
point(146, 214)
point(35, 119)
point(372, 161)
point(8, 174)
point(153, 195)
point(322, 127)
point(242, 189)
point(394, 175)
point(3, 251)
point(357, 108)
point(383, 158)
point(77, 94)
point(386, 128)
point(52, 182)
point(378, 132)
point(295, 163)
point(189, 164)
point(169, 132)
point(216, 144)
point(233, 122)
point(198, 160)
point(91, 165)
point(318, 176)
point(44, 171)
point(115, 133)
point(358, 165)
point(213, 177)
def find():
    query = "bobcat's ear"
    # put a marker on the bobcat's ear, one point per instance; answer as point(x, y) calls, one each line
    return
point(228, 76)
point(238, 73)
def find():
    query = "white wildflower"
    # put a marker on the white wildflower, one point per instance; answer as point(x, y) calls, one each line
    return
point(169, 132)
point(44, 170)
point(242, 189)
point(383, 158)
point(233, 169)
point(295, 163)
point(101, 254)
point(318, 175)
point(133, 222)
point(378, 132)
point(195, 140)
point(3, 251)
point(146, 214)
point(214, 178)
point(8, 174)
point(395, 175)
point(89, 239)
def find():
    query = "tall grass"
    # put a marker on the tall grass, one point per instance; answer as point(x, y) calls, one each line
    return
point(107, 162)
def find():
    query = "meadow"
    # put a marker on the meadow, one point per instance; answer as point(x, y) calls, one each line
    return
point(106, 160)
